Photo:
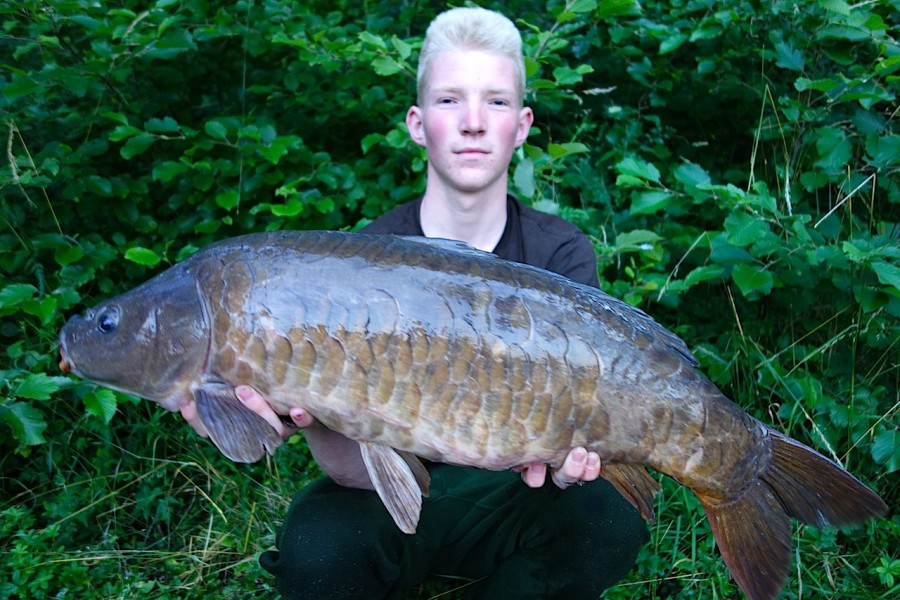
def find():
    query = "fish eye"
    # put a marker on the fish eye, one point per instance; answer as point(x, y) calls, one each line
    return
point(108, 321)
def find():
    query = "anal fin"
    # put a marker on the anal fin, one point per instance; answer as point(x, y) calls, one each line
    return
point(635, 484)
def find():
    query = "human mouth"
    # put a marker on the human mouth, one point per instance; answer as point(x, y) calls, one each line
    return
point(471, 152)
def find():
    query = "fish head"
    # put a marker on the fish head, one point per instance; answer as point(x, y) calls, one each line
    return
point(152, 341)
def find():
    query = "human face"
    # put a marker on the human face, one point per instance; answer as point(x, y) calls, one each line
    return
point(470, 121)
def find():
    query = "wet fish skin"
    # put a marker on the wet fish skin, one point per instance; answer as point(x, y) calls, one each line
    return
point(444, 352)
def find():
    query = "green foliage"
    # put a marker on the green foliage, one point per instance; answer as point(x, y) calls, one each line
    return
point(734, 162)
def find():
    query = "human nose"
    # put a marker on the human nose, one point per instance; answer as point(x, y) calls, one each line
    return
point(473, 121)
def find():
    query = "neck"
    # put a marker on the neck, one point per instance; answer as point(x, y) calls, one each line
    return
point(477, 219)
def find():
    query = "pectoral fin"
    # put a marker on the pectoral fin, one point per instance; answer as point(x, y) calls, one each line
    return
point(635, 484)
point(400, 481)
point(238, 432)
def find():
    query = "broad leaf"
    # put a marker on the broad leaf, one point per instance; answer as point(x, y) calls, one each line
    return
point(101, 403)
point(142, 256)
point(752, 280)
point(26, 422)
point(639, 169)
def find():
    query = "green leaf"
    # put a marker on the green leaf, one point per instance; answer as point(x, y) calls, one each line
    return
point(402, 48)
point(886, 449)
point(26, 422)
point(45, 309)
point(646, 203)
point(38, 386)
point(837, 6)
point(617, 8)
point(164, 125)
point(370, 140)
point(386, 66)
point(567, 76)
point(855, 253)
point(638, 239)
point(279, 147)
point(17, 88)
point(548, 206)
point(523, 178)
point(887, 273)
point(834, 149)
point(142, 256)
point(728, 192)
point(638, 168)
point(704, 273)
point(228, 200)
point(215, 129)
point(66, 255)
point(752, 280)
point(560, 150)
point(291, 208)
point(803, 84)
point(123, 131)
point(884, 150)
point(788, 57)
point(137, 145)
point(583, 6)
point(575, 8)
point(14, 294)
point(99, 185)
point(101, 403)
point(168, 170)
point(372, 39)
point(691, 175)
point(672, 43)
point(843, 32)
point(114, 116)
point(744, 229)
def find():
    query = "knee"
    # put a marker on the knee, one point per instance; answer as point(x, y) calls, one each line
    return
point(334, 545)
point(603, 534)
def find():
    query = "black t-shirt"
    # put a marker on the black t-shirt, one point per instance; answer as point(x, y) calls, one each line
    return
point(530, 237)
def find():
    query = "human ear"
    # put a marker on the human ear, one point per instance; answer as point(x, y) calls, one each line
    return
point(415, 126)
point(526, 118)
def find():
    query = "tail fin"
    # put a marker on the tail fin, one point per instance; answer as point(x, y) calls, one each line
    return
point(753, 531)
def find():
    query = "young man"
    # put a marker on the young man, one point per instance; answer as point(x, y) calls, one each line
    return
point(338, 541)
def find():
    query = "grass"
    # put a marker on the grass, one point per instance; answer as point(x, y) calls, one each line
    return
point(194, 529)
point(107, 512)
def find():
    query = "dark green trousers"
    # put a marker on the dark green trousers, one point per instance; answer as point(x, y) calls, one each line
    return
point(519, 543)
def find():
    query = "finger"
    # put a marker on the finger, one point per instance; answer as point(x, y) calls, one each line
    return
point(190, 414)
point(592, 467)
point(300, 417)
point(534, 474)
point(572, 468)
point(255, 402)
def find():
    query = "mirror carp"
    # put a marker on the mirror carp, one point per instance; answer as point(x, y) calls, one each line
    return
point(429, 348)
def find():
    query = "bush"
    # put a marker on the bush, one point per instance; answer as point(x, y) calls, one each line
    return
point(735, 163)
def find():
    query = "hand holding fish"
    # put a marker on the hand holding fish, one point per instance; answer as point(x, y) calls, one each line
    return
point(580, 466)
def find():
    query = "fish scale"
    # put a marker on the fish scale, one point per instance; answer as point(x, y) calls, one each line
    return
point(429, 348)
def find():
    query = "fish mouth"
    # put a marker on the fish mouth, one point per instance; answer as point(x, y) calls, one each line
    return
point(65, 364)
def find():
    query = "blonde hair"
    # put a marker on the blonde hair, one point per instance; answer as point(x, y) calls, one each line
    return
point(471, 29)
